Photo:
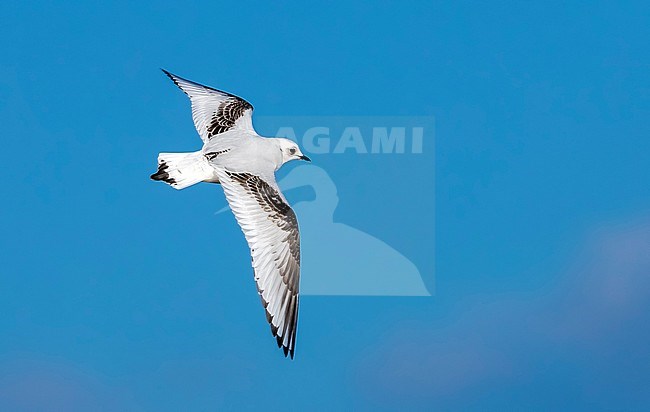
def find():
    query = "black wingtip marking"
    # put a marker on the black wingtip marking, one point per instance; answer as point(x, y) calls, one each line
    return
point(175, 78)
point(280, 341)
point(171, 76)
point(285, 349)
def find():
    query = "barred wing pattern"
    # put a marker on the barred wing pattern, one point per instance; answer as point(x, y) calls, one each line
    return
point(271, 230)
point(214, 111)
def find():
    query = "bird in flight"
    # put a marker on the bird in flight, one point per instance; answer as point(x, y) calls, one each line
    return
point(244, 163)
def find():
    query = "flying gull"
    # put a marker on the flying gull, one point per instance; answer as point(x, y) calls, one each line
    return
point(244, 163)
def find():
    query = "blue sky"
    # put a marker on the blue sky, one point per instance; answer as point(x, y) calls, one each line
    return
point(118, 293)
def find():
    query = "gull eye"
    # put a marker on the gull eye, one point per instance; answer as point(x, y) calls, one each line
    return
point(292, 151)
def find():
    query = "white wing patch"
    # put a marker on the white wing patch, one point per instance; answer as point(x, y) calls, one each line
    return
point(214, 111)
point(271, 230)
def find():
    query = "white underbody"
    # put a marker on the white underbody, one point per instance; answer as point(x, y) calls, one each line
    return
point(244, 151)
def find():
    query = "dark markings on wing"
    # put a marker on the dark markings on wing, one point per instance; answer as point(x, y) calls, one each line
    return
point(271, 202)
point(227, 114)
point(212, 155)
point(281, 214)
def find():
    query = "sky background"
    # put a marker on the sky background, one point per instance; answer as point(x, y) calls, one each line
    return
point(118, 293)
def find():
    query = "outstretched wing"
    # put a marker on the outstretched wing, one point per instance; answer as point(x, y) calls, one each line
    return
point(214, 111)
point(271, 230)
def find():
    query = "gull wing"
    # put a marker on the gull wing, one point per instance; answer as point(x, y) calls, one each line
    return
point(271, 230)
point(214, 111)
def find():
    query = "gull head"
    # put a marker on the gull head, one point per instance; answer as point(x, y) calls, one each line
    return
point(290, 150)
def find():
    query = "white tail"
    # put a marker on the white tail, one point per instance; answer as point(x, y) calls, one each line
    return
point(181, 170)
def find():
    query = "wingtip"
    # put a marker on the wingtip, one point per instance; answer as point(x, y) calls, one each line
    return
point(288, 352)
point(178, 80)
point(168, 74)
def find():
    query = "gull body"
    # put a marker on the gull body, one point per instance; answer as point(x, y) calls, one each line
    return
point(250, 152)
